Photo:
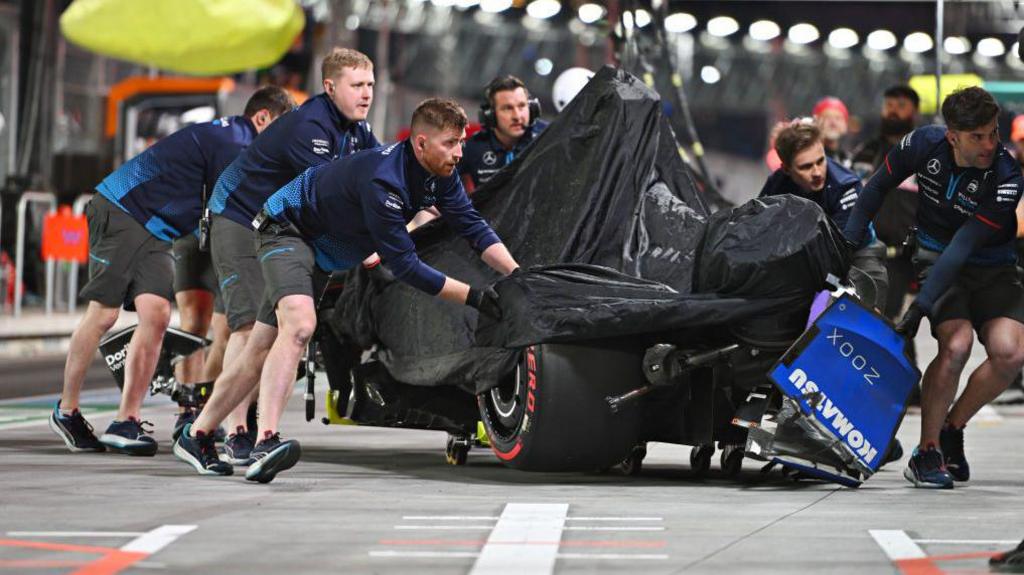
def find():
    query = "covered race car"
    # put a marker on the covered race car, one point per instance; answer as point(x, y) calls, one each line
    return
point(639, 317)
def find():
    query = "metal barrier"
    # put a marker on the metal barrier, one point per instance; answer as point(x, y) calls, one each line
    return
point(78, 208)
point(26, 199)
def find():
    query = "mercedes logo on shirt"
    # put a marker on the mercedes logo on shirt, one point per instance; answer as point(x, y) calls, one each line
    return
point(490, 158)
point(934, 166)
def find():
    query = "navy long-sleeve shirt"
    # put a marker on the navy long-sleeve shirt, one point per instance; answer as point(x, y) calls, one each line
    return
point(837, 198)
point(967, 214)
point(360, 204)
point(484, 155)
point(312, 134)
point(162, 188)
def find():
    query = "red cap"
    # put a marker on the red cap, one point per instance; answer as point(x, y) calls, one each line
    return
point(1017, 128)
point(831, 102)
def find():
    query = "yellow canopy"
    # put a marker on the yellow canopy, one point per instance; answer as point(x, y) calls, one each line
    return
point(189, 36)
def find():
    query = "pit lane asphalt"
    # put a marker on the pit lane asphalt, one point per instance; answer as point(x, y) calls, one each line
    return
point(369, 500)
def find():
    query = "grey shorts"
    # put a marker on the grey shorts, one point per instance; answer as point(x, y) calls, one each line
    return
point(193, 269)
point(979, 294)
point(125, 260)
point(288, 263)
point(233, 250)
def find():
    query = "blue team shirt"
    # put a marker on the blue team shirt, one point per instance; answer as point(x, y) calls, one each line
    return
point(312, 134)
point(162, 188)
point(360, 204)
point(837, 198)
point(484, 155)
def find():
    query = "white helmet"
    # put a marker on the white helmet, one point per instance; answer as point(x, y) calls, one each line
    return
point(568, 84)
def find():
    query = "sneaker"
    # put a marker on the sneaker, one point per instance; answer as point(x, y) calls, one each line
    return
point(894, 453)
point(1009, 561)
point(238, 448)
point(130, 437)
point(951, 441)
point(74, 430)
point(200, 453)
point(185, 417)
point(272, 456)
point(926, 469)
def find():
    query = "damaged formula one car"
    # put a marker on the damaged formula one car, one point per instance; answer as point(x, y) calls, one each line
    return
point(639, 317)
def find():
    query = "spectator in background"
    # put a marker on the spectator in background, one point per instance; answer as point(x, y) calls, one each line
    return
point(833, 118)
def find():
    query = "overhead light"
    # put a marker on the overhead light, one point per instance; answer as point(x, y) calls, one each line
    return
point(918, 42)
point(722, 26)
point(991, 47)
point(642, 17)
point(764, 30)
point(589, 13)
point(710, 75)
point(543, 9)
point(543, 66)
point(956, 45)
point(680, 22)
point(803, 33)
point(466, 4)
point(443, 3)
point(881, 40)
point(495, 6)
point(843, 38)
point(627, 20)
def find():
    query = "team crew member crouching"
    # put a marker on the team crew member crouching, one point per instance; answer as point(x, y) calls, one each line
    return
point(969, 189)
point(334, 217)
point(809, 173)
point(510, 120)
point(138, 210)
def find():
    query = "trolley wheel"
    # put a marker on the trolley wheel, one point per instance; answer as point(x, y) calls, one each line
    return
point(732, 460)
point(700, 459)
point(457, 449)
point(634, 462)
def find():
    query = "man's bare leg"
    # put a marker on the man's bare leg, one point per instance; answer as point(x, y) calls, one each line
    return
point(1004, 347)
point(143, 352)
point(296, 316)
point(942, 377)
point(195, 308)
point(85, 340)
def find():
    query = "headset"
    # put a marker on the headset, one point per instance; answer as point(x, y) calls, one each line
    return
point(486, 113)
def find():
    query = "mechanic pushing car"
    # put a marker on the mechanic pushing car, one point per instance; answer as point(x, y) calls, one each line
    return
point(325, 127)
point(511, 120)
point(333, 217)
point(139, 209)
point(807, 171)
point(970, 187)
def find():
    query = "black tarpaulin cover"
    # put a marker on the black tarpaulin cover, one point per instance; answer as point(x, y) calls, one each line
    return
point(604, 185)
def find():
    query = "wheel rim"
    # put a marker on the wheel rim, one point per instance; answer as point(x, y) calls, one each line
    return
point(504, 399)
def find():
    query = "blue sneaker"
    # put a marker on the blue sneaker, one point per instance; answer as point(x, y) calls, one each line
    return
point(200, 453)
point(951, 441)
point(130, 437)
point(238, 447)
point(272, 456)
point(1011, 561)
point(927, 469)
point(74, 430)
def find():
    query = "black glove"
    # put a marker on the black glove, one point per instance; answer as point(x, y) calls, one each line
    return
point(379, 275)
point(515, 272)
point(911, 321)
point(485, 301)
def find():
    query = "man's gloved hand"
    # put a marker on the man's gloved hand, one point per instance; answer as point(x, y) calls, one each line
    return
point(485, 301)
point(379, 274)
point(911, 321)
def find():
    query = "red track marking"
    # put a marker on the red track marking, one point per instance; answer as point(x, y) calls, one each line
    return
point(111, 562)
point(927, 565)
point(38, 564)
point(478, 542)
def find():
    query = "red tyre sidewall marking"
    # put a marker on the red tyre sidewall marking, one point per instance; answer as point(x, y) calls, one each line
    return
point(531, 404)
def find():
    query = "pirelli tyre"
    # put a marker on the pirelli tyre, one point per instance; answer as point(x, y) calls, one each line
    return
point(551, 413)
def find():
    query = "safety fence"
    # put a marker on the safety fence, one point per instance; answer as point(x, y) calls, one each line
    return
point(63, 239)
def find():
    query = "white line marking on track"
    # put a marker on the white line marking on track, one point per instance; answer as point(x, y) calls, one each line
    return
point(469, 554)
point(897, 544)
point(74, 533)
point(523, 522)
point(967, 541)
point(155, 540)
point(494, 518)
point(44, 420)
point(489, 527)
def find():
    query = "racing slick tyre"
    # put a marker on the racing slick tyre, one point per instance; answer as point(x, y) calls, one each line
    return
point(732, 460)
point(551, 413)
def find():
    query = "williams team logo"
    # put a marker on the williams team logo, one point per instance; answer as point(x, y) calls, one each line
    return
point(490, 158)
point(934, 166)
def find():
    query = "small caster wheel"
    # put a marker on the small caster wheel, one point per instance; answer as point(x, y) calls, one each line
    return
point(700, 459)
point(732, 460)
point(633, 462)
point(457, 450)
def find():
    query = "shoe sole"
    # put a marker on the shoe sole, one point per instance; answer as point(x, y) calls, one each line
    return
point(183, 454)
point(909, 476)
point(281, 459)
point(233, 461)
point(118, 444)
point(56, 428)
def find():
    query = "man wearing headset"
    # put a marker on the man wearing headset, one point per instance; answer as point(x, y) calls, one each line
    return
point(510, 120)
